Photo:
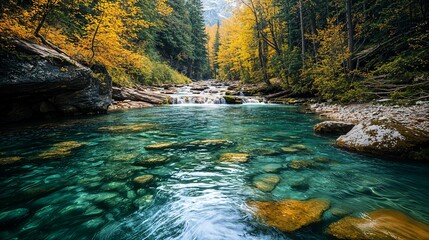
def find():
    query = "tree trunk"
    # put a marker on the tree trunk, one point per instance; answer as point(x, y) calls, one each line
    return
point(301, 19)
point(350, 34)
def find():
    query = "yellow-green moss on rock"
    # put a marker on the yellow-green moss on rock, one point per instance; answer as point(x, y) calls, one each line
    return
point(290, 215)
point(382, 224)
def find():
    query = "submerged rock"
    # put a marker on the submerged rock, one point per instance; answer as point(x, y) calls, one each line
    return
point(266, 182)
point(211, 142)
point(138, 127)
point(294, 148)
point(300, 184)
point(152, 161)
point(161, 145)
point(260, 151)
point(61, 150)
point(235, 157)
point(302, 164)
point(333, 127)
point(144, 180)
point(290, 215)
point(386, 138)
point(340, 211)
point(13, 216)
point(379, 224)
point(143, 201)
point(272, 168)
point(9, 160)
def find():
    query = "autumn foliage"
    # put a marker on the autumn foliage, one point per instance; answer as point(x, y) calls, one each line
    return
point(95, 32)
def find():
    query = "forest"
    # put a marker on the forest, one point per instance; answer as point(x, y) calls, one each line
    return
point(348, 51)
point(345, 51)
point(138, 41)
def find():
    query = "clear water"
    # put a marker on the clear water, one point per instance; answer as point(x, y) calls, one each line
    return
point(90, 194)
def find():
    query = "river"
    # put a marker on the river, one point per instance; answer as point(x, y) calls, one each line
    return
point(89, 193)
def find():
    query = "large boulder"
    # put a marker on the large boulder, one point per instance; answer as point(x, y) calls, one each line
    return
point(386, 138)
point(37, 81)
point(379, 224)
point(333, 127)
point(290, 215)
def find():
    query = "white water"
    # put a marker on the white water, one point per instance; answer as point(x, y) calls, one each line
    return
point(212, 95)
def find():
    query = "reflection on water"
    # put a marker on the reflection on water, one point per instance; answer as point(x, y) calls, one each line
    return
point(89, 193)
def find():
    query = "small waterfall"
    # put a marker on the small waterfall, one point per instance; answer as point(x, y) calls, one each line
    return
point(199, 99)
point(249, 100)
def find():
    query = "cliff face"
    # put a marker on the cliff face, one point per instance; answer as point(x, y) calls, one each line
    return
point(37, 82)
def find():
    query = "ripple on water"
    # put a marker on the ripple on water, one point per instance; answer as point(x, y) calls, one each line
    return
point(90, 193)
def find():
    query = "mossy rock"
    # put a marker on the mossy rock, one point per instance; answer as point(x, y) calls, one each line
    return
point(232, 99)
point(379, 225)
point(290, 215)
point(138, 127)
point(333, 128)
point(260, 151)
point(152, 161)
point(211, 142)
point(266, 182)
point(10, 160)
point(144, 180)
point(161, 145)
point(386, 138)
point(60, 150)
point(235, 157)
point(303, 164)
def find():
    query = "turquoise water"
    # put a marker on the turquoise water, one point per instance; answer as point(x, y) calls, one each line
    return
point(90, 193)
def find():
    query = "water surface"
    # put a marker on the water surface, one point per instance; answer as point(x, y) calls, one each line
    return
point(90, 194)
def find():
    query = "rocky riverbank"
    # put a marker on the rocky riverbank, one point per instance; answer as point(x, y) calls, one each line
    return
point(400, 132)
point(415, 116)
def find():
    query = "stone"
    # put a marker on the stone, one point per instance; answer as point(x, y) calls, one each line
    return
point(272, 168)
point(211, 142)
point(300, 184)
point(340, 211)
point(290, 215)
point(302, 164)
point(386, 138)
point(144, 180)
point(137, 127)
point(13, 216)
point(289, 150)
point(124, 157)
point(235, 157)
point(37, 81)
point(103, 196)
point(270, 140)
point(144, 201)
point(112, 186)
point(333, 128)
point(260, 151)
point(9, 160)
point(93, 223)
point(266, 182)
point(152, 161)
point(161, 145)
point(299, 146)
point(232, 99)
point(380, 224)
point(60, 150)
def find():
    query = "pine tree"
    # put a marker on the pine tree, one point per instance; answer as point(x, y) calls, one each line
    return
point(216, 47)
point(198, 64)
